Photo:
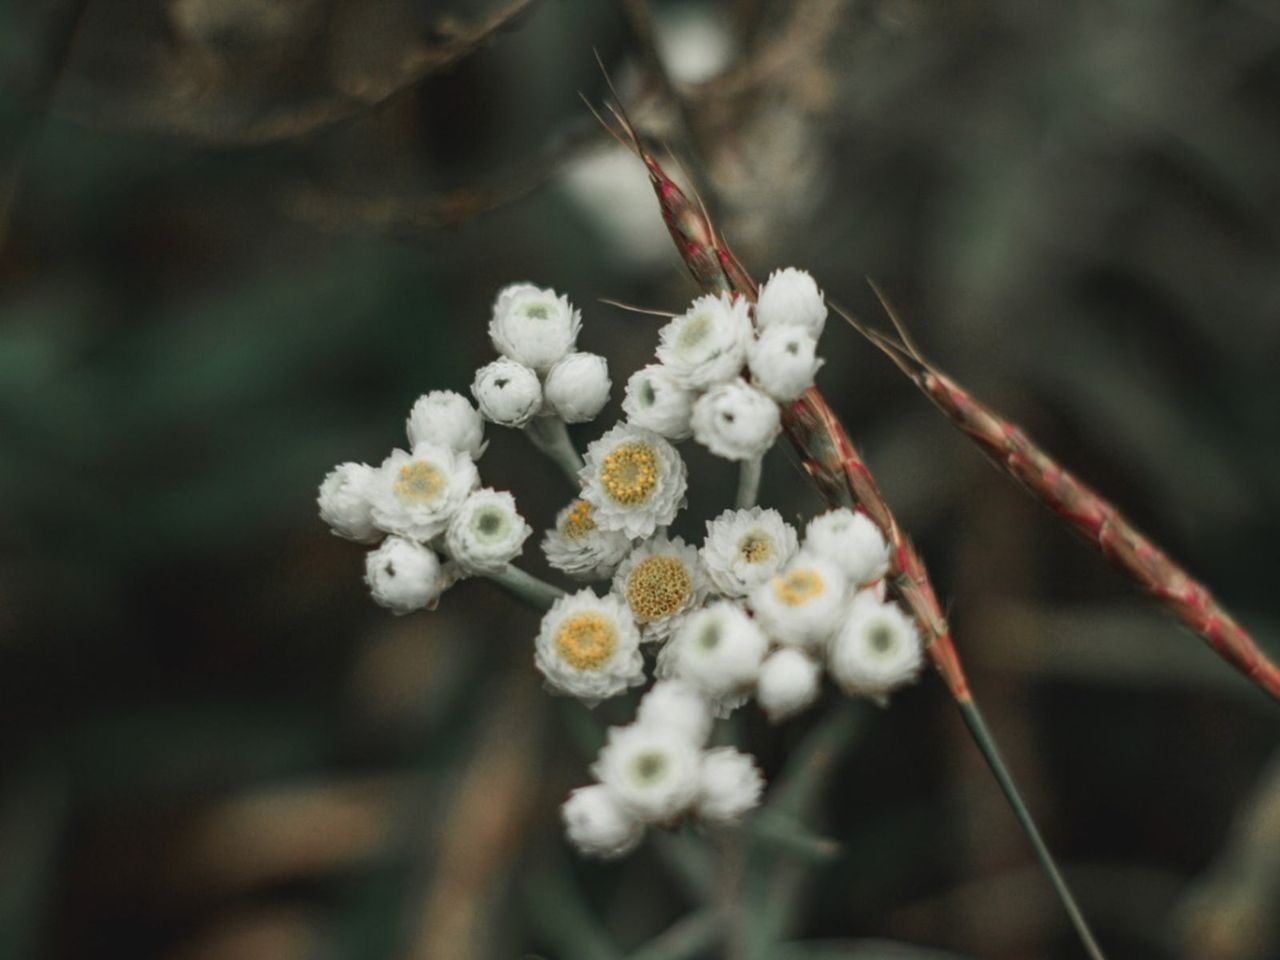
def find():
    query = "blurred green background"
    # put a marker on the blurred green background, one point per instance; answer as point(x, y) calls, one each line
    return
point(239, 237)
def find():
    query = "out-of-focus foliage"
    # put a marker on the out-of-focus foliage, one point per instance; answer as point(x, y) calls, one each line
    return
point(237, 239)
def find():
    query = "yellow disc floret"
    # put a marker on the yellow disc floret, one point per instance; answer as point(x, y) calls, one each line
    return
point(798, 587)
point(419, 481)
point(629, 473)
point(755, 548)
point(658, 587)
point(578, 522)
point(586, 640)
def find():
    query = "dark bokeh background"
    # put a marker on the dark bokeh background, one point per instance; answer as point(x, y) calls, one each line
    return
point(238, 238)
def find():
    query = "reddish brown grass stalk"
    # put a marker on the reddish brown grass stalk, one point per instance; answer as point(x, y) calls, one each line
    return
point(1097, 520)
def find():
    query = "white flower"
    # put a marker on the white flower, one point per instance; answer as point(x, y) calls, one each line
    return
point(735, 420)
point(791, 297)
point(344, 501)
point(660, 580)
point(718, 649)
point(578, 547)
point(802, 604)
point(729, 786)
point(597, 824)
point(487, 532)
point(447, 419)
point(783, 361)
point(707, 344)
point(589, 647)
point(789, 682)
point(653, 771)
point(577, 388)
point(634, 479)
point(850, 540)
point(416, 494)
point(404, 576)
point(876, 650)
point(655, 401)
point(678, 706)
point(744, 548)
point(508, 392)
point(532, 326)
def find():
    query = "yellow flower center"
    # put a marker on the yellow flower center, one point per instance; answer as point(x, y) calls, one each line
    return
point(658, 587)
point(586, 640)
point(755, 548)
point(419, 481)
point(630, 473)
point(577, 522)
point(798, 587)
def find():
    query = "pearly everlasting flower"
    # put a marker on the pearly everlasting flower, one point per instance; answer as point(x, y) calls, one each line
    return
point(598, 825)
point(801, 605)
point(577, 387)
point(660, 581)
point(744, 548)
point(677, 706)
point(783, 361)
point(789, 682)
point(404, 576)
point(416, 494)
point(877, 649)
point(729, 786)
point(578, 547)
point(791, 297)
point(446, 419)
point(589, 647)
point(707, 344)
point(532, 326)
point(718, 649)
point(653, 771)
point(508, 393)
point(345, 504)
point(849, 539)
point(655, 401)
point(487, 532)
point(634, 480)
point(735, 420)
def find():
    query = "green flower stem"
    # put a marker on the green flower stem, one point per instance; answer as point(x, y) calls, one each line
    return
point(551, 436)
point(525, 586)
point(749, 483)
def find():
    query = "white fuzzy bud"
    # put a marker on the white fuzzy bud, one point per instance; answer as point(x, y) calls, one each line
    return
point(877, 649)
point(344, 501)
point(718, 649)
point(736, 421)
point(404, 576)
point(487, 532)
point(532, 326)
point(678, 706)
point(789, 682)
point(851, 541)
point(801, 605)
point(508, 392)
point(791, 297)
point(447, 419)
point(729, 786)
point(707, 344)
point(653, 771)
point(655, 401)
point(577, 387)
point(598, 825)
point(783, 361)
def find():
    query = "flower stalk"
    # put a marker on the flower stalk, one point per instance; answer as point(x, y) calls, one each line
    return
point(749, 483)
point(551, 437)
point(525, 587)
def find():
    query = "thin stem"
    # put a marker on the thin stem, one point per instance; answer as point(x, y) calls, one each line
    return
point(551, 436)
point(986, 743)
point(525, 586)
point(749, 482)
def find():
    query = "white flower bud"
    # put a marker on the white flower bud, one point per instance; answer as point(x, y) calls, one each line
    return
point(736, 421)
point(508, 392)
point(344, 501)
point(577, 387)
point(679, 707)
point(534, 327)
point(653, 771)
point(729, 786)
point(783, 361)
point(718, 649)
point(655, 401)
point(404, 576)
point(487, 532)
point(791, 297)
point(446, 419)
point(789, 682)
point(877, 649)
point(707, 344)
point(851, 541)
point(802, 605)
point(597, 824)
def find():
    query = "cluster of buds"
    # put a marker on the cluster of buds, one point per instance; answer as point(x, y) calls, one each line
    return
point(755, 612)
